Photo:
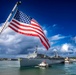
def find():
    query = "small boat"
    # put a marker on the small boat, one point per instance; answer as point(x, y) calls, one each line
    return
point(67, 60)
point(43, 64)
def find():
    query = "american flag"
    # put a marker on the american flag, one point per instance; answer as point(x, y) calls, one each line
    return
point(26, 25)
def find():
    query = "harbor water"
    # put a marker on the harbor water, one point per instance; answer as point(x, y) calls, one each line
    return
point(13, 68)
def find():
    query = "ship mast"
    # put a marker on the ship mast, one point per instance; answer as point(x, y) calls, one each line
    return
point(36, 49)
point(19, 2)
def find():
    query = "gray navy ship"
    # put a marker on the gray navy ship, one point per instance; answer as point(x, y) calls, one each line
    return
point(34, 59)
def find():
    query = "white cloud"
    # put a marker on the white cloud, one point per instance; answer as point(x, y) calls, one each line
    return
point(3, 26)
point(65, 47)
point(57, 37)
point(54, 25)
point(52, 43)
point(74, 39)
point(15, 43)
point(45, 31)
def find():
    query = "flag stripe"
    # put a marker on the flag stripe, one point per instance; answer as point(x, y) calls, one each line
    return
point(44, 44)
point(32, 24)
point(30, 34)
point(26, 25)
point(29, 30)
point(35, 22)
point(26, 28)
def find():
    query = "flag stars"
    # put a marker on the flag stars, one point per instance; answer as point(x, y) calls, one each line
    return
point(20, 16)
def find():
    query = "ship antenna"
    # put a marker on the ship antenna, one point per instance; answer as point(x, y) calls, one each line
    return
point(36, 49)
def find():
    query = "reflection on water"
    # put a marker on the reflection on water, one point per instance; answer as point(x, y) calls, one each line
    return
point(9, 68)
point(70, 69)
point(12, 68)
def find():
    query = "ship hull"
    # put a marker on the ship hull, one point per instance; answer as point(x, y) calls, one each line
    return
point(35, 62)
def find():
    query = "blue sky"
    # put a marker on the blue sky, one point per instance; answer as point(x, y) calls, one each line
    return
point(57, 18)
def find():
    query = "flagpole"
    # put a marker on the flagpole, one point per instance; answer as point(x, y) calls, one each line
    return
point(19, 2)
